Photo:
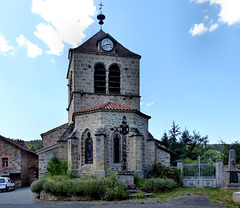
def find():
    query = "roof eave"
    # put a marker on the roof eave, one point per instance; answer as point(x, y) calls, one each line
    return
point(108, 110)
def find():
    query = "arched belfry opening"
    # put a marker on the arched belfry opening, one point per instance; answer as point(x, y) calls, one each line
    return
point(100, 79)
point(114, 79)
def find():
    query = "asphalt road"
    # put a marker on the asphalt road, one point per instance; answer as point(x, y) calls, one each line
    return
point(24, 198)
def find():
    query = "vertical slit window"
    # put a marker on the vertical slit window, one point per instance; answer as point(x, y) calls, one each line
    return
point(89, 149)
point(116, 149)
point(100, 79)
point(114, 80)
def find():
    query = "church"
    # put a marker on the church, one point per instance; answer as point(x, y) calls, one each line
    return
point(105, 127)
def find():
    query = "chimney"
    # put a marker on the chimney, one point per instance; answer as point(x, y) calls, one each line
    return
point(21, 142)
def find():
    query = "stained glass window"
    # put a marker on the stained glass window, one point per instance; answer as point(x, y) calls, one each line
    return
point(88, 149)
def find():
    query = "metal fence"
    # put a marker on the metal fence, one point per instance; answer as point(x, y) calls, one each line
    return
point(199, 175)
point(202, 170)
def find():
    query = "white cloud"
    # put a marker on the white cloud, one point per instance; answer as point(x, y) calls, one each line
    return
point(5, 47)
point(33, 50)
point(200, 1)
point(198, 29)
point(149, 104)
point(66, 20)
point(52, 39)
point(229, 12)
point(213, 27)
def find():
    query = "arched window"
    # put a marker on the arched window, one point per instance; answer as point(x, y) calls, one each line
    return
point(100, 79)
point(116, 147)
point(89, 149)
point(114, 79)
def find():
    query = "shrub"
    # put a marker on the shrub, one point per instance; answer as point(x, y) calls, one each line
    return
point(160, 171)
point(158, 185)
point(37, 186)
point(138, 181)
point(57, 167)
point(148, 185)
point(51, 186)
point(106, 188)
point(118, 192)
point(115, 190)
point(71, 174)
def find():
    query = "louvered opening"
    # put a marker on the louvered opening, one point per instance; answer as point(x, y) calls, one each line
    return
point(100, 79)
point(114, 80)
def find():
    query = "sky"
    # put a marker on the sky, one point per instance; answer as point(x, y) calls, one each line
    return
point(190, 65)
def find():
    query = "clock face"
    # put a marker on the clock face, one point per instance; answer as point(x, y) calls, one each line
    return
point(107, 44)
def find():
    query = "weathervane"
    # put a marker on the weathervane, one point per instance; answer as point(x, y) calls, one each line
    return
point(101, 16)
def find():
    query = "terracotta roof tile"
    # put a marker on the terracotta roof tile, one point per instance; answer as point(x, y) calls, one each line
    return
point(110, 106)
point(44, 148)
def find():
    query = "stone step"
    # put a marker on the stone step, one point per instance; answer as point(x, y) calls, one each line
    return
point(133, 190)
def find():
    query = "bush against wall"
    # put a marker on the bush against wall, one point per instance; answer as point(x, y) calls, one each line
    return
point(161, 171)
point(157, 185)
point(105, 188)
point(57, 167)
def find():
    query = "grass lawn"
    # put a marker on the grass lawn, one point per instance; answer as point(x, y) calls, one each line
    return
point(218, 196)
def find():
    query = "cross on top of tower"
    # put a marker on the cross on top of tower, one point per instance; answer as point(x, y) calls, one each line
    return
point(101, 17)
point(101, 5)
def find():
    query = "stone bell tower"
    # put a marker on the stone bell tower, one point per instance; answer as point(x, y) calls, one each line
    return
point(101, 70)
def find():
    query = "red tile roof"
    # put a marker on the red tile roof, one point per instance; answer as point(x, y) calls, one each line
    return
point(44, 148)
point(91, 46)
point(16, 144)
point(110, 106)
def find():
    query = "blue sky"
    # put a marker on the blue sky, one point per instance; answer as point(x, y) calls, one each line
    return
point(189, 67)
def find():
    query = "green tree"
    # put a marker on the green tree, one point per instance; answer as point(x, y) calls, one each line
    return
point(165, 140)
point(211, 156)
point(186, 138)
point(34, 145)
point(225, 151)
point(198, 146)
point(174, 132)
point(57, 167)
point(184, 144)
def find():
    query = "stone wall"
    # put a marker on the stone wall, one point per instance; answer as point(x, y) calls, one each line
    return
point(52, 136)
point(81, 79)
point(156, 155)
point(108, 121)
point(63, 151)
point(14, 155)
point(87, 100)
point(163, 157)
point(28, 160)
point(44, 156)
point(151, 153)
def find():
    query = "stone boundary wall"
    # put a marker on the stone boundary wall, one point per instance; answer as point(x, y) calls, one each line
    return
point(51, 197)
